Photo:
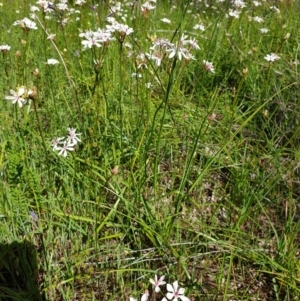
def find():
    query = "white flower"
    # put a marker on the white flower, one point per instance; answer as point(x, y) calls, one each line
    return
point(192, 43)
point(238, 4)
point(4, 48)
point(45, 5)
point(146, 7)
point(111, 20)
point(86, 34)
point(52, 62)
point(158, 282)
point(264, 30)
point(258, 19)
point(145, 296)
point(104, 36)
point(272, 57)
point(26, 23)
point(208, 66)
point(136, 75)
point(34, 8)
point(141, 61)
point(51, 36)
point(90, 42)
point(62, 6)
point(116, 8)
point(63, 145)
point(175, 292)
point(157, 58)
point(122, 29)
point(165, 20)
point(57, 142)
point(63, 150)
point(274, 8)
point(199, 26)
point(181, 52)
point(17, 97)
point(125, 29)
point(161, 43)
point(234, 13)
point(73, 138)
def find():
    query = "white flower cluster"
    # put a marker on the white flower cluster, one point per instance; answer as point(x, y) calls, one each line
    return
point(164, 48)
point(104, 36)
point(52, 62)
point(208, 66)
point(4, 48)
point(63, 145)
point(26, 24)
point(95, 38)
point(238, 4)
point(46, 6)
point(272, 57)
point(174, 292)
point(147, 6)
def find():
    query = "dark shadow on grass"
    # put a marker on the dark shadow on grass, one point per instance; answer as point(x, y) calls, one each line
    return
point(19, 272)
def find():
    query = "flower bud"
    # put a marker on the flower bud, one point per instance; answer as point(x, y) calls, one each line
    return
point(32, 93)
point(36, 72)
point(245, 71)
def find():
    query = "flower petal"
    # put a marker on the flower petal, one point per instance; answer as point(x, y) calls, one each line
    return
point(152, 281)
point(21, 91)
point(10, 97)
point(161, 278)
point(170, 288)
point(175, 285)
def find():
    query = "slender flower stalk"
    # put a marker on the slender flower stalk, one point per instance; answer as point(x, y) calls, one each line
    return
point(71, 82)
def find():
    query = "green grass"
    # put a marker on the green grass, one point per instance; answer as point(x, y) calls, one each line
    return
point(180, 172)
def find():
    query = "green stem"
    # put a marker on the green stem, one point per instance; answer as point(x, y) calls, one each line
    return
point(41, 134)
point(165, 104)
point(121, 92)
